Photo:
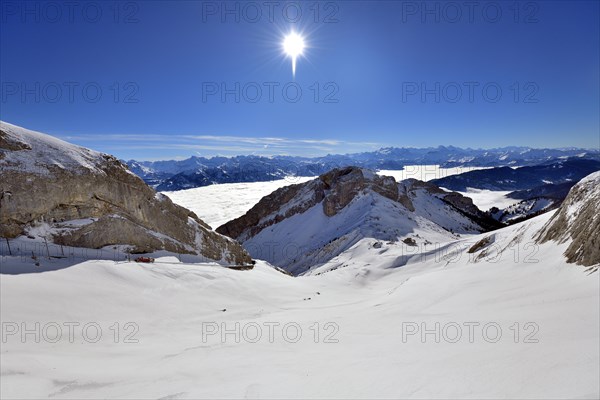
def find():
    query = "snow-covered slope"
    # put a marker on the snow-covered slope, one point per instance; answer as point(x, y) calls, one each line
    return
point(513, 320)
point(303, 226)
point(38, 153)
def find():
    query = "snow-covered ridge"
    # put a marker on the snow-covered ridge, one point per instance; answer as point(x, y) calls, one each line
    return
point(36, 152)
point(592, 180)
point(302, 226)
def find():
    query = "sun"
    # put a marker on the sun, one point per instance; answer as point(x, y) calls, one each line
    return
point(293, 46)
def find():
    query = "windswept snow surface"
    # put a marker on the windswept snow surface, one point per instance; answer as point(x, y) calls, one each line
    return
point(218, 204)
point(361, 323)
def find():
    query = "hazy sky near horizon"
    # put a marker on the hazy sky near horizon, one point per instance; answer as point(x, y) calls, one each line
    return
point(163, 80)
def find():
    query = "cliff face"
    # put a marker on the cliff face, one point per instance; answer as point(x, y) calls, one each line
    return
point(46, 180)
point(578, 220)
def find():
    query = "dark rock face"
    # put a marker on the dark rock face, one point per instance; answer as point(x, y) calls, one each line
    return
point(7, 143)
point(578, 219)
point(344, 184)
point(45, 180)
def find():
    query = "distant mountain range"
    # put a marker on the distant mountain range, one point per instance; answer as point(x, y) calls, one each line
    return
point(552, 173)
point(200, 171)
point(540, 187)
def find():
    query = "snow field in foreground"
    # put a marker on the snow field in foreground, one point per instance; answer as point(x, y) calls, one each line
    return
point(365, 317)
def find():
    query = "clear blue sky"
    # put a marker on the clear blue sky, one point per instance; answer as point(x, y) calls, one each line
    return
point(160, 68)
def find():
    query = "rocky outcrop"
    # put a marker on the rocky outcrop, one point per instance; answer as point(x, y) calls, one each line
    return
point(46, 180)
point(343, 185)
point(578, 221)
point(301, 226)
point(334, 189)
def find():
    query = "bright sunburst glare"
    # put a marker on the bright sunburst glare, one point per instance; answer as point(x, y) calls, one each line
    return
point(293, 46)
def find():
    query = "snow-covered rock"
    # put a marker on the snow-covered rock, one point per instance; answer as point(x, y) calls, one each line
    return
point(578, 221)
point(302, 226)
point(46, 181)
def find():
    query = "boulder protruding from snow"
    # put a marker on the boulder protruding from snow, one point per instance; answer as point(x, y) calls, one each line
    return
point(578, 220)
